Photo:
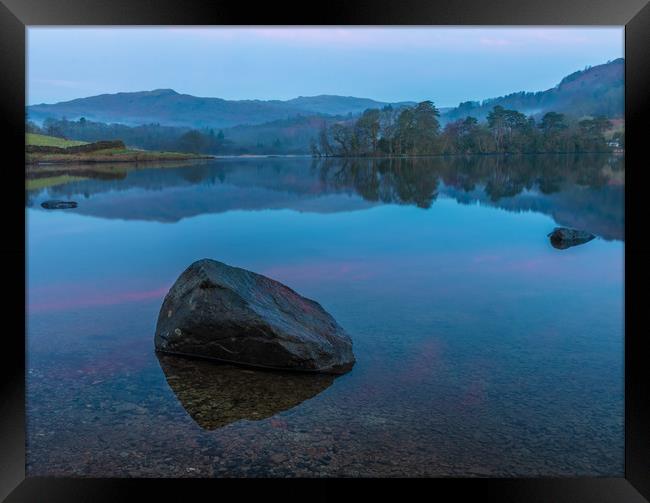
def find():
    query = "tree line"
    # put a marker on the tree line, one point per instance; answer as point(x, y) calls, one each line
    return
point(416, 131)
point(290, 136)
point(386, 132)
point(147, 136)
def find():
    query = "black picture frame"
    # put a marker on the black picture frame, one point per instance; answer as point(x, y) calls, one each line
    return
point(16, 15)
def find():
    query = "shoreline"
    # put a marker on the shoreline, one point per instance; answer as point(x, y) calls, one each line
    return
point(474, 154)
point(46, 159)
point(141, 156)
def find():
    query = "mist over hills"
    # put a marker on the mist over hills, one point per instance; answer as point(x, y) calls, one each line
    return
point(340, 105)
point(167, 107)
point(275, 126)
point(597, 90)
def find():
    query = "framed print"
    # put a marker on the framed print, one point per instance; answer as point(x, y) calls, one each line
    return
point(376, 246)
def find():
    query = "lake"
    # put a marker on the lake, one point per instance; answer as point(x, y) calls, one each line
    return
point(481, 349)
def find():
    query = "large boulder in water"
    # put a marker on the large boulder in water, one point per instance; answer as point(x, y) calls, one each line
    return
point(563, 237)
point(230, 314)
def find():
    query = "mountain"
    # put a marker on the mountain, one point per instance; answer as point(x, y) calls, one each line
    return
point(292, 135)
point(276, 126)
point(597, 90)
point(340, 105)
point(166, 106)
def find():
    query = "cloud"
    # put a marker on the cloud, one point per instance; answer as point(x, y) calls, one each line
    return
point(392, 38)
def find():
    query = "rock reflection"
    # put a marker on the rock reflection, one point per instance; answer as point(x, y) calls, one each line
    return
point(215, 394)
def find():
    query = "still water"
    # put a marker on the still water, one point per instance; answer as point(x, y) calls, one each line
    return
point(481, 349)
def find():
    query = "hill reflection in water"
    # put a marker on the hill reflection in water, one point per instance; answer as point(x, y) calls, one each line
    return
point(584, 191)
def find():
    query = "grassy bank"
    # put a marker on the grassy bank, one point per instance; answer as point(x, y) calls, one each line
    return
point(102, 155)
point(42, 140)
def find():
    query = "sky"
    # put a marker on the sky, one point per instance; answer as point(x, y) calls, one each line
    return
point(447, 65)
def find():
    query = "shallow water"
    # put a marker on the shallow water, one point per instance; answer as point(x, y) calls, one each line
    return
point(481, 349)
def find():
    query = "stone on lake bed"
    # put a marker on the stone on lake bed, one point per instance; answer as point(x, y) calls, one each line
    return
point(58, 205)
point(234, 315)
point(563, 237)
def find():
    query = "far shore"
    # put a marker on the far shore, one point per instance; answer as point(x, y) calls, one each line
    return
point(44, 149)
point(111, 157)
point(148, 156)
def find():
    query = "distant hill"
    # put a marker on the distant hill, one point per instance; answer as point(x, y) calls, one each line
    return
point(339, 105)
point(289, 135)
point(166, 106)
point(274, 126)
point(598, 90)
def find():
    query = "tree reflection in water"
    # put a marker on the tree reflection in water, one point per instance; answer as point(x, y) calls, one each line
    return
point(584, 191)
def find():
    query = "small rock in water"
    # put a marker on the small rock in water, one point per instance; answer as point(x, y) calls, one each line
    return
point(58, 205)
point(563, 237)
point(230, 314)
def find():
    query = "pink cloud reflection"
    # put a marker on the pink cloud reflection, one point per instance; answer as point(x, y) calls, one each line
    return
point(321, 271)
point(53, 299)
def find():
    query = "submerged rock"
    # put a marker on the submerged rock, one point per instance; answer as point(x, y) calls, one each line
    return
point(563, 237)
point(58, 205)
point(215, 394)
point(230, 314)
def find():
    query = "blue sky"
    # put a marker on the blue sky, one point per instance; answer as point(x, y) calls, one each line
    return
point(445, 64)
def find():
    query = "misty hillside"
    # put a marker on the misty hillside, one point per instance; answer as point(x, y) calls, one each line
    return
point(598, 90)
point(339, 105)
point(166, 106)
point(159, 118)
